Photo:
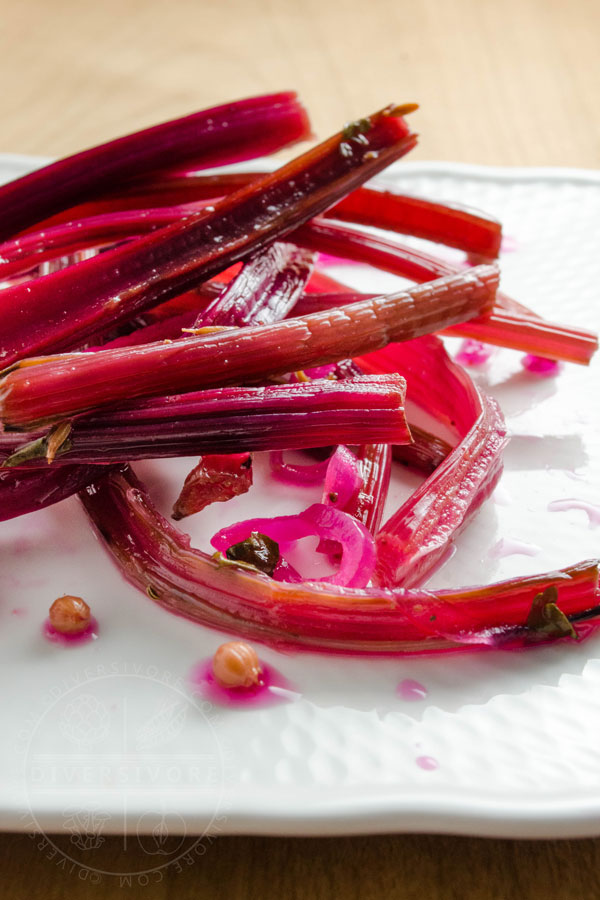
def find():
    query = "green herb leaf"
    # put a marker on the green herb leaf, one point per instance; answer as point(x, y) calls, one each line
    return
point(353, 129)
point(546, 620)
point(258, 550)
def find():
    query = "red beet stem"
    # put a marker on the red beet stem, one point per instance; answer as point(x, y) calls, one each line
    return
point(109, 218)
point(23, 492)
point(233, 132)
point(73, 383)
point(228, 420)
point(509, 324)
point(63, 310)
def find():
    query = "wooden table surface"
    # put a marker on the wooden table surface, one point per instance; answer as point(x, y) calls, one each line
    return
point(512, 82)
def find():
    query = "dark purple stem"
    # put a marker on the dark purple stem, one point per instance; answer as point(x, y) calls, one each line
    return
point(63, 310)
point(224, 134)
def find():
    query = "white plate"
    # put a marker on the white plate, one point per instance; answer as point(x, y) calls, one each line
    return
point(107, 736)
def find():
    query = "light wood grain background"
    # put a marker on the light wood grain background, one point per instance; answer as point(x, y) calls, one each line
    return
point(512, 82)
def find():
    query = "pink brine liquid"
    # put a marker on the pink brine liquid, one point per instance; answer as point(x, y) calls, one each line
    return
point(427, 762)
point(70, 640)
point(473, 353)
point(508, 547)
point(273, 688)
point(539, 365)
point(411, 690)
point(593, 511)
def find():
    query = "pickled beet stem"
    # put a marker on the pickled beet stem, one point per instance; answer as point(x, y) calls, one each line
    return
point(62, 310)
point(62, 386)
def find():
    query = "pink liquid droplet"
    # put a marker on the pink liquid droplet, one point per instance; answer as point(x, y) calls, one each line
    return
point(508, 244)
point(273, 688)
point(70, 640)
point(593, 511)
point(473, 353)
point(427, 762)
point(539, 365)
point(412, 690)
point(19, 612)
point(508, 547)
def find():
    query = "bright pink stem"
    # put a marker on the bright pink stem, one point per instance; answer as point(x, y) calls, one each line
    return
point(530, 334)
point(376, 467)
point(452, 225)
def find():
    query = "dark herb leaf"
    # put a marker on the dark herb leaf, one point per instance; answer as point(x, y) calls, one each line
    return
point(258, 550)
point(546, 620)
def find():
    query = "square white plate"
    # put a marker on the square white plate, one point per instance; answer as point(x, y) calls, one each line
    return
point(107, 737)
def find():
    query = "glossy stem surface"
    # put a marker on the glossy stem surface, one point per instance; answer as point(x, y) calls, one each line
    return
point(229, 420)
point(233, 132)
point(66, 308)
point(62, 386)
point(158, 559)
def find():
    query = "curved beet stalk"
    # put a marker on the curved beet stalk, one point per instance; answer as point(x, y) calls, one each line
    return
point(67, 308)
point(65, 385)
point(452, 225)
point(224, 134)
point(23, 492)
point(158, 559)
point(426, 451)
point(416, 539)
point(225, 420)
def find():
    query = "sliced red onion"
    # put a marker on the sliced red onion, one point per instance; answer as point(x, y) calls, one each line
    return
point(343, 479)
point(295, 473)
point(358, 548)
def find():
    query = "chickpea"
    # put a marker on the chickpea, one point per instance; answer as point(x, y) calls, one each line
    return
point(69, 615)
point(236, 665)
